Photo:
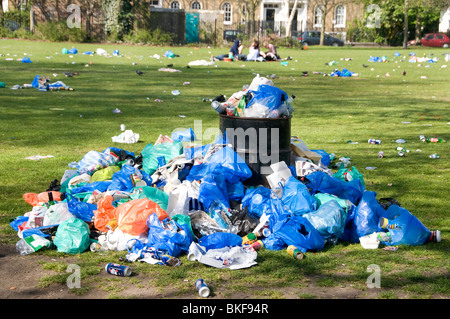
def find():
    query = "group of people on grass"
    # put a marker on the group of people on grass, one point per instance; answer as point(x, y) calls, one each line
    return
point(254, 52)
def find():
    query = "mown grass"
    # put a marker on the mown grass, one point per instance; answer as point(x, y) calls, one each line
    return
point(328, 112)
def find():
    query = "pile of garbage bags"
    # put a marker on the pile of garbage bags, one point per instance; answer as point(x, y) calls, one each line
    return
point(174, 199)
point(260, 99)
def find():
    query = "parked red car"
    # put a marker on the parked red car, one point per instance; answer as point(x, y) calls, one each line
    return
point(433, 40)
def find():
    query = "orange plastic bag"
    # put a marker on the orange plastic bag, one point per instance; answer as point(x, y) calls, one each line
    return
point(132, 215)
point(104, 214)
point(35, 199)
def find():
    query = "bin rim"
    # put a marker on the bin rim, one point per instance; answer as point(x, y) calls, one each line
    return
point(256, 118)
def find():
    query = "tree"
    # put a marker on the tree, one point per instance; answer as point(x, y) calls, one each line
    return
point(291, 16)
point(250, 12)
point(325, 6)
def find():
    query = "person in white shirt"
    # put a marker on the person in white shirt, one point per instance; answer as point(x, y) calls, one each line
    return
point(254, 53)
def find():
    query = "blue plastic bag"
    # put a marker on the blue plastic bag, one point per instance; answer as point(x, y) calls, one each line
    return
point(213, 188)
point(294, 230)
point(220, 240)
point(26, 60)
point(187, 135)
point(198, 151)
point(35, 83)
point(224, 162)
point(408, 229)
point(101, 186)
point(320, 182)
point(325, 160)
point(297, 197)
point(367, 215)
point(173, 241)
point(19, 220)
point(267, 95)
point(235, 191)
point(258, 201)
point(73, 51)
point(329, 220)
point(79, 209)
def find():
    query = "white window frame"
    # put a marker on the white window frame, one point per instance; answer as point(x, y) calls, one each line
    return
point(157, 5)
point(196, 2)
point(244, 11)
point(342, 14)
point(317, 10)
point(177, 3)
point(230, 13)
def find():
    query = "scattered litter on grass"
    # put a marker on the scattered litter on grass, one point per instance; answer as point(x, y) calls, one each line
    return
point(38, 157)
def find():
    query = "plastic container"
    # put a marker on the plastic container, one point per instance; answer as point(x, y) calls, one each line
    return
point(202, 288)
point(369, 241)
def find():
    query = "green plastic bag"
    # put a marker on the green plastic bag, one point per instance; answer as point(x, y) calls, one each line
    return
point(345, 174)
point(65, 51)
point(322, 198)
point(105, 174)
point(72, 236)
point(158, 196)
point(151, 153)
point(184, 219)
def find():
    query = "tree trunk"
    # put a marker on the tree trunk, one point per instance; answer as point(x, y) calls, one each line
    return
point(322, 27)
point(2, 17)
point(290, 18)
point(418, 27)
point(405, 27)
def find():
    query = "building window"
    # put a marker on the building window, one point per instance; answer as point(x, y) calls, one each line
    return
point(226, 7)
point(154, 3)
point(339, 16)
point(175, 5)
point(244, 14)
point(317, 16)
point(196, 5)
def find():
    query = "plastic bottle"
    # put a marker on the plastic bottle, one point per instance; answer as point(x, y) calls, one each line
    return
point(23, 248)
point(434, 155)
point(218, 107)
point(404, 150)
point(435, 236)
point(249, 239)
point(434, 140)
point(382, 236)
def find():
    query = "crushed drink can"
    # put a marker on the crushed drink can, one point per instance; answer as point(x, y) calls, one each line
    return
point(380, 154)
point(118, 270)
point(374, 141)
point(401, 153)
point(202, 288)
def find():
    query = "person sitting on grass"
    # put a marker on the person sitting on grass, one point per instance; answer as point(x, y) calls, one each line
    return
point(270, 55)
point(235, 52)
point(254, 53)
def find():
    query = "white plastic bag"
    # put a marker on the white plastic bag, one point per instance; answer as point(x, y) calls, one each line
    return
point(56, 214)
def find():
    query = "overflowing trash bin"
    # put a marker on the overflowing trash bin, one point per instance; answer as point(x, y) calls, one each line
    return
point(172, 200)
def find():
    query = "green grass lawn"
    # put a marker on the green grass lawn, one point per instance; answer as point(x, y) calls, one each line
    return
point(329, 111)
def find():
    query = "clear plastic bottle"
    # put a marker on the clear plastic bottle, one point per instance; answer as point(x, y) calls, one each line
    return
point(221, 109)
point(23, 248)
